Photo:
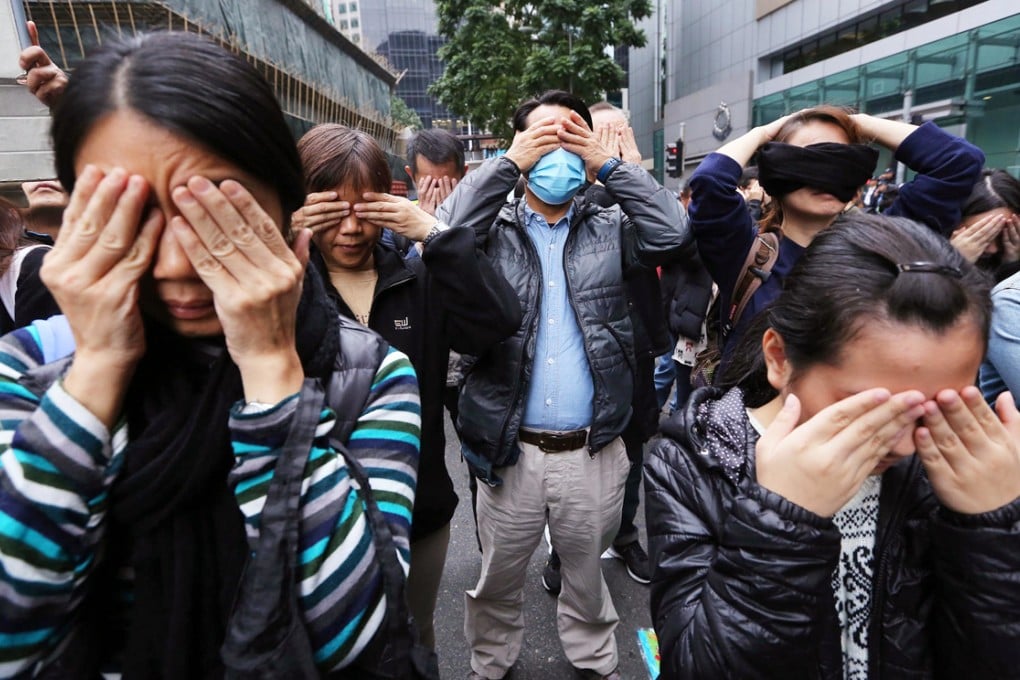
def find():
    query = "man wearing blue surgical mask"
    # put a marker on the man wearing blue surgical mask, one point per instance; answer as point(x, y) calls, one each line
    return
point(541, 413)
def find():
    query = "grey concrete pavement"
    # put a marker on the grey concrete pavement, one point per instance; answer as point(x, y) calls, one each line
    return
point(542, 657)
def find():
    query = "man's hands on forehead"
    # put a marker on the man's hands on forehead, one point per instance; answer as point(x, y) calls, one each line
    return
point(547, 134)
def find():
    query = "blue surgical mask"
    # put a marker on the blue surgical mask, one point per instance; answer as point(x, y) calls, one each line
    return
point(557, 176)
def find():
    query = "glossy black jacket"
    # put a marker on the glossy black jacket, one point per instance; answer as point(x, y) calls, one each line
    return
point(741, 584)
point(646, 226)
point(449, 297)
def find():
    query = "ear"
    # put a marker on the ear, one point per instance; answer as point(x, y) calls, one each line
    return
point(407, 169)
point(464, 171)
point(778, 367)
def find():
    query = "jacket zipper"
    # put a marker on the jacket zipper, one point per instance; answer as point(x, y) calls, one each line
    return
point(878, 583)
point(577, 317)
point(518, 391)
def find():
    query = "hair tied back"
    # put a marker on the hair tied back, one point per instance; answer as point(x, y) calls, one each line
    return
point(929, 267)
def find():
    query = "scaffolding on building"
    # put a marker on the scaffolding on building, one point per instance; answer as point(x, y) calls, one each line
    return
point(68, 29)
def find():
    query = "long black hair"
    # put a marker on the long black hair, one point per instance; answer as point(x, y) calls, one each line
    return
point(849, 277)
point(189, 85)
point(996, 189)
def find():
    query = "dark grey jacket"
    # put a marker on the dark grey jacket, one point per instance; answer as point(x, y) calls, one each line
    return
point(647, 225)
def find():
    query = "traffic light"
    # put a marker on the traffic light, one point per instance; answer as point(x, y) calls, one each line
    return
point(672, 160)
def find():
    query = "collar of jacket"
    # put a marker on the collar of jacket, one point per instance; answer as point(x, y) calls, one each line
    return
point(714, 418)
point(393, 268)
point(513, 211)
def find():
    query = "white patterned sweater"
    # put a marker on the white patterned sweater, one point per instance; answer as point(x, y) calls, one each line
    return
point(857, 522)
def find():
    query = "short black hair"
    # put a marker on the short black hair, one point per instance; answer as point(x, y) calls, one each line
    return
point(438, 146)
point(192, 87)
point(553, 98)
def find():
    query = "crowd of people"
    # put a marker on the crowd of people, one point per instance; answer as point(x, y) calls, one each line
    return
point(228, 359)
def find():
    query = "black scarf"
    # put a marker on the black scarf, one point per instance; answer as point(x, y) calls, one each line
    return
point(838, 169)
point(171, 503)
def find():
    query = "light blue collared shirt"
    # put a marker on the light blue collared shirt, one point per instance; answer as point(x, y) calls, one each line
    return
point(561, 392)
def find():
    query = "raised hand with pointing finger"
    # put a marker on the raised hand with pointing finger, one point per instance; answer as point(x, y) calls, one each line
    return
point(43, 78)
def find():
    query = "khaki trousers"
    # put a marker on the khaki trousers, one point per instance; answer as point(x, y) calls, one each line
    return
point(581, 498)
point(428, 557)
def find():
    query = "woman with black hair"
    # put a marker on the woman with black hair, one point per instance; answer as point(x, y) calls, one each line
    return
point(794, 532)
point(191, 491)
point(989, 233)
point(449, 297)
point(812, 163)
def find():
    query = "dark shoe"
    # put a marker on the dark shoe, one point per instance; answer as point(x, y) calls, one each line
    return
point(589, 674)
point(551, 579)
point(636, 559)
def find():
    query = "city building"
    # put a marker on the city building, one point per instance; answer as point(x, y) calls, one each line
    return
point(318, 75)
point(711, 70)
point(405, 34)
point(347, 19)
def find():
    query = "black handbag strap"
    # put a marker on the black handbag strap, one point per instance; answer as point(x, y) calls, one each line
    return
point(266, 636)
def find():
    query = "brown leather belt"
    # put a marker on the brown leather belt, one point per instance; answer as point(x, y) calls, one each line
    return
point(554, 442)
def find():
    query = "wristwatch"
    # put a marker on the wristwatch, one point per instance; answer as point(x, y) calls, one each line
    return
point(437, 229)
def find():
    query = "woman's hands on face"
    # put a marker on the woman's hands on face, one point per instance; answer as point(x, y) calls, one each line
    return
point(1011, 239)
point(105, 246)
point(971, 454)
point(321, 210)
point(255, 277)
point(820, 464)
point(395, 213)
point(972, 240)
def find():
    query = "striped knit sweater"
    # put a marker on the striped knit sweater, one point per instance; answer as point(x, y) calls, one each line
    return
point(58, 462)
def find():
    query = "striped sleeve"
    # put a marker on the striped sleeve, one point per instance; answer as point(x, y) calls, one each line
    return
point(57, 463)
point(341, 591)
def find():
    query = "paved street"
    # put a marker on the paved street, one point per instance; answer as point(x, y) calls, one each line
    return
point(542, 657)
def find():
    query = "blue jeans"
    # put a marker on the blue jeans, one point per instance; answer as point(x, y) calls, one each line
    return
point(665, 374)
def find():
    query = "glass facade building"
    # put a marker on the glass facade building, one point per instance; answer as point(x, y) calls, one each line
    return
point(970, 81)
point(405, 32)
point(723, 66)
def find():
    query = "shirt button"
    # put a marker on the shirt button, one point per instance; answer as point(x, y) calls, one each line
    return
point(552, 321)
point(550, 361)
point(552, 284)
point(548, 402)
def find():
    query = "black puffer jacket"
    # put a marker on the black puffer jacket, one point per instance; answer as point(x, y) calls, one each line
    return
point(741, 586)
point(450, 297)
point(602, 243)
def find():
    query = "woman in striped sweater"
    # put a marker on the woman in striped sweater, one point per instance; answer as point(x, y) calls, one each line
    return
point(133, 474)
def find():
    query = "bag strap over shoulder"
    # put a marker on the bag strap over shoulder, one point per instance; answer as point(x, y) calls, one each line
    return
point(756, 270)
point(266, 636)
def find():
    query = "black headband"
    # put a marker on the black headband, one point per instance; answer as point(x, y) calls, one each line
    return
point(839, 169)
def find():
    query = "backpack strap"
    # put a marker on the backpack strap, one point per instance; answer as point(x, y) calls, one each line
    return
point(756, 270)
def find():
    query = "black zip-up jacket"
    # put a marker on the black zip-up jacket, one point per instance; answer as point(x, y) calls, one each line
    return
point(602, 244)
point(450, 297)
point(741, 583)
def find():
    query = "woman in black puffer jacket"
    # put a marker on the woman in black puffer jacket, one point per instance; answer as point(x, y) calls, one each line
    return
point(793, 531)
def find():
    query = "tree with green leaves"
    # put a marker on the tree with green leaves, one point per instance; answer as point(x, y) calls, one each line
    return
point(403, 115)
point(499, 53)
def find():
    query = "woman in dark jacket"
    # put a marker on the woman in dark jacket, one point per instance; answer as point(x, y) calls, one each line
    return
point(812, 163)
point(449, 297)
point(793, 532)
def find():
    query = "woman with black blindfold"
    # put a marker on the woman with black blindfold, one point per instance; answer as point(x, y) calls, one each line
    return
point(812, 163)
